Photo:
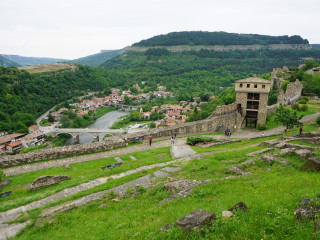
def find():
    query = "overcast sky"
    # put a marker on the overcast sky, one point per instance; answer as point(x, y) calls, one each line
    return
point(76, 28)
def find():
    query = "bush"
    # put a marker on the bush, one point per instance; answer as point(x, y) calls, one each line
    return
point(302, 108)
point(318, 120)
point(195, 140)
point(303, 100)
point(261, 127)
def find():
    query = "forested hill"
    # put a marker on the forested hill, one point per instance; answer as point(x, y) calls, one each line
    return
point(24, 96)
point(187, 64)
point(217, 38)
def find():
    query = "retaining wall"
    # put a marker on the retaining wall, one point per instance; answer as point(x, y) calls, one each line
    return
point(218, 123)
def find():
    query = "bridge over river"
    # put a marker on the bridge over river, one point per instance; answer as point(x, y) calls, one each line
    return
point(95, 133)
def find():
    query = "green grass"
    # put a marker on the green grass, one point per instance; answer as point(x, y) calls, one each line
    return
point(79, 173)
point(272, 194)
point(243, 144)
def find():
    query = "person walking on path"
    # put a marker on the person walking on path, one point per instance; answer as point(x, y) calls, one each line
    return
point(300, 130)
point(172, 140)
point(150, 140)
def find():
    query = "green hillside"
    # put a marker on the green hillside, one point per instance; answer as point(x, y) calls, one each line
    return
point(26, 61)
point(99, 58)
point(217, 38)
point(194, 72)
point(7, 63)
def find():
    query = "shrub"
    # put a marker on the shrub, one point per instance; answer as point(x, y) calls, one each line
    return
point(304, 100)
point(261, 127)
point(304, 108)
point(195, 140)
point(318, 120)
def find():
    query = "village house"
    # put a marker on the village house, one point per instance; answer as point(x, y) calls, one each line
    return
point(4, 142)
point(36, 137)
point(15, 137)
point(14, 146)
point(161, 88)
point(3, 134)
point(34, 128)
point(146, 115)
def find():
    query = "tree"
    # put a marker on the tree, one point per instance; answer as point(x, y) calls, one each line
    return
point(288, 117)
point(127, 100)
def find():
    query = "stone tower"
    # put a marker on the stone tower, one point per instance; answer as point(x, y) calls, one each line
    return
point(252, 94)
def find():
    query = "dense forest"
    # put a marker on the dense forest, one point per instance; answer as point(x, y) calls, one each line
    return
point(33, 94)
point(190, 74)
point(217, 38)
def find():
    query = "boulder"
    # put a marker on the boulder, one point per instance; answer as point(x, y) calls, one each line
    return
point(239, 206)
point(133, 158)
point(307, 212)
point(304, 153)
point(268, 158)
point(312, 164)
point(47, 180)
point(196, 219)
point(103, 206)
point(227, 214)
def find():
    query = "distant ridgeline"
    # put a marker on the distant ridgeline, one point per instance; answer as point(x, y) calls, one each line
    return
point(217, 38)
point(191, 63)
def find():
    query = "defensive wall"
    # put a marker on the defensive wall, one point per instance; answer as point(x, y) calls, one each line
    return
point(212, 124)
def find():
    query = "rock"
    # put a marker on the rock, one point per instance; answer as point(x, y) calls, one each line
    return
point(252, 154)
point(305, 201)
point(162, 155)
point(239, 206)
point(118, 159)
point(227, 214)
point(268, 158)
point(47, 180)
point(307, 212)
point(281, 145)
point(133, 158)
point(286, 151)
point(67, 166)
point(166, 227)
point(5, 183)
point(312, 164)
point(304, 153)
point(115, 200)
point(196, 219)
point(103, 206)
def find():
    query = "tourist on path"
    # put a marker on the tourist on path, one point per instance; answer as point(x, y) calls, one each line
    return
point(172, 140)
point(150, 140)
point(300, 130)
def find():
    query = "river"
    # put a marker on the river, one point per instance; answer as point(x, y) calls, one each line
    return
point(103, 122)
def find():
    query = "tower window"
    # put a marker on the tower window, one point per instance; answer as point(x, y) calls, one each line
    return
point(255, 86)
point(241, 85)
point(263, 86)
point(248, 85)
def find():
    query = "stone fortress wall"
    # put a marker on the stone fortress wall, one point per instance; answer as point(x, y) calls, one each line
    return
point(212, 124)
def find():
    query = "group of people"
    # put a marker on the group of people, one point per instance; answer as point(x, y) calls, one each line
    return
point(227, 132)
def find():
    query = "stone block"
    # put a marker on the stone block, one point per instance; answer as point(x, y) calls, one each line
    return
point(196, 219)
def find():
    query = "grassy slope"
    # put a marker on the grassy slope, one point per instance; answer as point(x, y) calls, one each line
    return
point(272, 194)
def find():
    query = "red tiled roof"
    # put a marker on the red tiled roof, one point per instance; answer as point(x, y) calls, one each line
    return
point(14, 144)
point(34, 127)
